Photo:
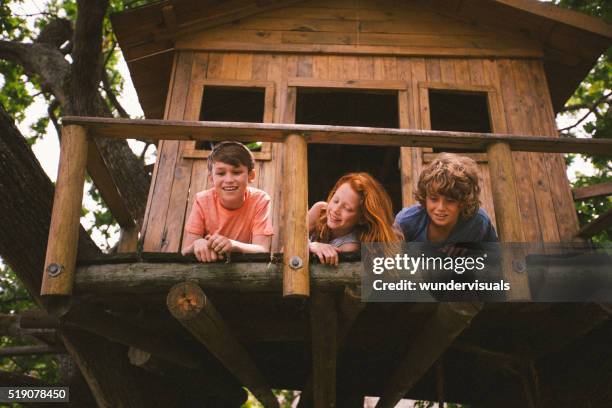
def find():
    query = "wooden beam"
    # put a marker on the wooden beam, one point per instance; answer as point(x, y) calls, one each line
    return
point(295, 226)
point(273, 132)
point(324, 332)
point(128, 240)
point(507, 214)
point(96, 321)
point(30, 350)
point(194, 310)
point(597, 190)
point(113, 279)
point(447, 323)
point(60, 261)
point(207, 386)
point(601, 223)
point(562, 15)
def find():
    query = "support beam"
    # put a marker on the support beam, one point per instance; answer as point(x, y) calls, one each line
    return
point(194, 310)
point(207, 386)
point(60, 261)
point(295, 226)
point(113, 381)
point(324, 332)
point(150, 277)
point(349, 308)
point(508, 216)
point(30, 350)
point(446, 324)
point(113, 328)
point(596, 190)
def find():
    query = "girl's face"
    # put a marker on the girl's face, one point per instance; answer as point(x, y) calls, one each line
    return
point(442, 211)
point(343, 210)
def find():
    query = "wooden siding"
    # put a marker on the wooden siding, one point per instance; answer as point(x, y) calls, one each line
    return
point(518, 100)
point(362, 27)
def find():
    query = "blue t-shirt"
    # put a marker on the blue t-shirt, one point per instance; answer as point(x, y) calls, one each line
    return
point(414, 221)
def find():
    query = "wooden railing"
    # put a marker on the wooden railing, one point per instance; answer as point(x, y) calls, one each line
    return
point(58, 276)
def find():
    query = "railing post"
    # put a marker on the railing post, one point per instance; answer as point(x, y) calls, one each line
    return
point(295, 228)
point(508, 217)
point(60, 261)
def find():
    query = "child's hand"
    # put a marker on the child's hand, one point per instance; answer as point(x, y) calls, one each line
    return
point(327, 254)
point(220, 244)
point(203, 252)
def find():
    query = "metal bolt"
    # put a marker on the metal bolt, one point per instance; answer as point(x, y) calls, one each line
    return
point(54, 269)
point(519, 265)
point(296, 262)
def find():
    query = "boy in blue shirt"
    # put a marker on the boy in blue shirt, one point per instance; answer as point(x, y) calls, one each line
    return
point(449, 209)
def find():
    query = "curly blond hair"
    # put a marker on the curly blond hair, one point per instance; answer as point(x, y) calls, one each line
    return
point(452, 176)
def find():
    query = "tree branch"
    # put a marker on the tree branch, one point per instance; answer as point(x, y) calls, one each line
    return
point(592, 109)
point(112, 97)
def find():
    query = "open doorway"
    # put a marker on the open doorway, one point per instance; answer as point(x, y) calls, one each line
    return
point(350, 107)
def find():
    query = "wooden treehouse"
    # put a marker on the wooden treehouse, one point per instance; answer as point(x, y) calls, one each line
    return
point(329, 87)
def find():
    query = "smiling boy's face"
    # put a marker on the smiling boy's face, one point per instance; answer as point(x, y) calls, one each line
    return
point(230, 183)
point(443, 211)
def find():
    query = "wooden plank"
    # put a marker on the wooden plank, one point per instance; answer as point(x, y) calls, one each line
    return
point(602, 223)
point(154, 235)
point(244, 66)
point(516, 123)
point(462, 71)
point(229, 66)
point(190, 130)
point(366, 67)
point(447, 70)
point(128, 240)
point(537, 163)
point(324, 332)
point(179, 193)
point(508, 217)
point(194, 310)
point(304, 64)
point(148, 277)
point(476, 72)
point(352, 82)
point(596, 190)
point(60, 259)
point(335, 67)
point(260, 67)
point(567, 219)
point(432, 66)
point(350, 67)
point(303, 45)
point(320, 67)
point(295, 228)
point(439, 332)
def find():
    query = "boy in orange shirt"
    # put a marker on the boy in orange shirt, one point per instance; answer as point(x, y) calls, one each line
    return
point(231, 216)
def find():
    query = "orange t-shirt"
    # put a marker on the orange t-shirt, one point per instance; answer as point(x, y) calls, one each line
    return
point(208, 216)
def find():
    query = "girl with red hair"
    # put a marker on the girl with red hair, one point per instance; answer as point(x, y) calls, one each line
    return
point(358, 209)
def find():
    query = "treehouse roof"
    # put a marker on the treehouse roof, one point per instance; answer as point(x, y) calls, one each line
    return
point(569, 42)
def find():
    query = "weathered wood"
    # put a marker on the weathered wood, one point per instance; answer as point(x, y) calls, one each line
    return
point(507, 214)
point(103, 324)
point(60, 261)
point(218, 131)
point(324, 332)
point(447, 323)
point(128, 240)
point(295, 232)
point(30, 350)
point(207, 386)
point(601, 223)
point(113, 381)
point(190, 306)
point(596, 190)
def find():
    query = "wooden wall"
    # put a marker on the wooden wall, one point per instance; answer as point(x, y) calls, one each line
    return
point(347, 43)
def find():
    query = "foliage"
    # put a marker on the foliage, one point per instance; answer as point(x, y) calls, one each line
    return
point(13, 299)
point(590, 109)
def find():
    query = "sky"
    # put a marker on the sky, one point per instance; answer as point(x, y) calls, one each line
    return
point(47, 149)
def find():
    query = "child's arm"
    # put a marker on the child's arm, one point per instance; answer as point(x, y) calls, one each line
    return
point(349, 247)
point(221, 244)
point(314, 214)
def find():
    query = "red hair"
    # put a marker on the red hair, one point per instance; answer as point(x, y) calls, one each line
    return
point(376, 218)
